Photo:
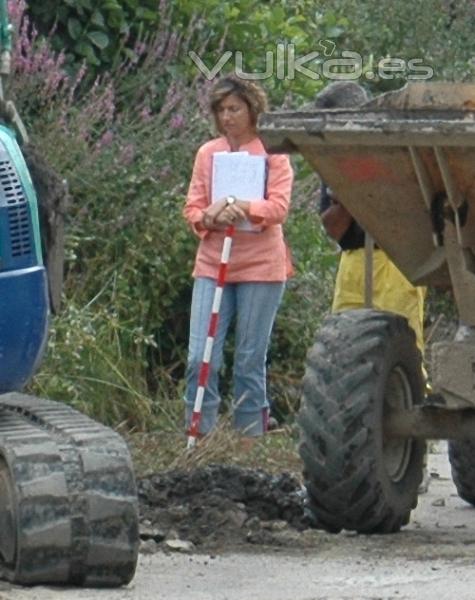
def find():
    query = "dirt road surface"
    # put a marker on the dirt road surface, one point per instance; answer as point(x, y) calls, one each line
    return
point(433, 558)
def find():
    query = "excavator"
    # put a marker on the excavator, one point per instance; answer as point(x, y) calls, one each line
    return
point(68, 499)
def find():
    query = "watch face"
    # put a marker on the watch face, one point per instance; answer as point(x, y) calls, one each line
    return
point(230, 200)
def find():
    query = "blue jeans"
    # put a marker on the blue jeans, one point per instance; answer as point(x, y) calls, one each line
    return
point(254, 305)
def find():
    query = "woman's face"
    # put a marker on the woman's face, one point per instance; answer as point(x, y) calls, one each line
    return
point(234, 117)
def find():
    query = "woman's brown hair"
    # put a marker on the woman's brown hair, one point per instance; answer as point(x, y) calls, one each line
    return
point(248, 91)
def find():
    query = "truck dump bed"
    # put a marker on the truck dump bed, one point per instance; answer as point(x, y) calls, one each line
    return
point(402, 164)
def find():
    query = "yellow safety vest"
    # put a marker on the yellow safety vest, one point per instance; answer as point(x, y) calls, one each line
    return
point(391, 290)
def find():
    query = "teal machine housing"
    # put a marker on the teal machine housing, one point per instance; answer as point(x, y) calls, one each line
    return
point(24, 300)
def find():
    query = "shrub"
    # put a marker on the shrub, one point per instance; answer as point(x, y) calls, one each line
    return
point(101, 33)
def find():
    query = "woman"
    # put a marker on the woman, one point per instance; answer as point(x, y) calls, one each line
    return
point(258, 268)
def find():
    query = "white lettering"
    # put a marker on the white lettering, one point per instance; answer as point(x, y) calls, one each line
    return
point(238, 61)
point(349, 67)
point(210, 74)
point(419, 70)
point(388, 66)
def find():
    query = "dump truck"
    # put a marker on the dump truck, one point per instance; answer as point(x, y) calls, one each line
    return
point(68, 499)
point(403, 164)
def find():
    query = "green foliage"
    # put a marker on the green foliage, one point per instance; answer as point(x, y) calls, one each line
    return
point(130, 256)
point(262, 37)
point(87, 366)
point(100, 32)
point(436, 32)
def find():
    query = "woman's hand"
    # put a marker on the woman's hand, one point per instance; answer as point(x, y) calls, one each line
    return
point(231, 215)
point(208, 220)
point(214, 210)
point(221, 214)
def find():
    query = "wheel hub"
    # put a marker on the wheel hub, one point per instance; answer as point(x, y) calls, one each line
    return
point(397, 452)
point(8, 536)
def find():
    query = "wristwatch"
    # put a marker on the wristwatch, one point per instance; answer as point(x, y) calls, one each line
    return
point(230, 200)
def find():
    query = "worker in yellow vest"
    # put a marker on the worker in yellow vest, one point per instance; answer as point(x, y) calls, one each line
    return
point(391, 290)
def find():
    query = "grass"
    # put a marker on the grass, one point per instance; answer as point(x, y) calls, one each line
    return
point(159, 451)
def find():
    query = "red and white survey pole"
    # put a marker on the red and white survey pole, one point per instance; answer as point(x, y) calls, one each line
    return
point(194, 429)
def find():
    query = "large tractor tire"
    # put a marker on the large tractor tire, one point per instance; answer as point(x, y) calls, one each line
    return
point(364, 363)
point(462, 463)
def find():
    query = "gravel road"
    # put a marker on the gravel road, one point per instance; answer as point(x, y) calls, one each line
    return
point(432, 558)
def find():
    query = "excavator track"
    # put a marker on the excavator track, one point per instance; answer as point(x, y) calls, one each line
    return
point(68, 502)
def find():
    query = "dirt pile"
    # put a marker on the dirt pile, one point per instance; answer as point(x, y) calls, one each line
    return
point(220, 506)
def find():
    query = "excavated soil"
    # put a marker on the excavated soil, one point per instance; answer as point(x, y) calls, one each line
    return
point(220, 507)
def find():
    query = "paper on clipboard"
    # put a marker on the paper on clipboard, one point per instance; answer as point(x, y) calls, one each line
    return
point(238, 174)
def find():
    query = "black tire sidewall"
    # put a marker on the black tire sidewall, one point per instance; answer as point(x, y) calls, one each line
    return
point(403, 354)
point(461, 458)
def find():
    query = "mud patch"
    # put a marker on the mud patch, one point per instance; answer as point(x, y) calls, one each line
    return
point(219, 507)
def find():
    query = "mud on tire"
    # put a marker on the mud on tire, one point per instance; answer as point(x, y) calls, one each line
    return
point(462, 463)
point(363, 363)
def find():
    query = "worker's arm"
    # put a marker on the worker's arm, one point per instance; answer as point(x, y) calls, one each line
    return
point(336, 220)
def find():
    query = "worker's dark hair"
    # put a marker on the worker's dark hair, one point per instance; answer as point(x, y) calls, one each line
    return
point(341, 94)
point(248, 91)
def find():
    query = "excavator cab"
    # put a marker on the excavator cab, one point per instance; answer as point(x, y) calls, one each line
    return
point(24, 304)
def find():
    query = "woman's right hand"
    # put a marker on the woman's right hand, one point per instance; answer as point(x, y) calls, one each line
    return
point(207, 222)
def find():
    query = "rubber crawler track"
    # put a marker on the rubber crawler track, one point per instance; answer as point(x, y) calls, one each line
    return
point(75, 501)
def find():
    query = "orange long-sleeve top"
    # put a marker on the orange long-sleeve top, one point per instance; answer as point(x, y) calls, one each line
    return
point(255, 256)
